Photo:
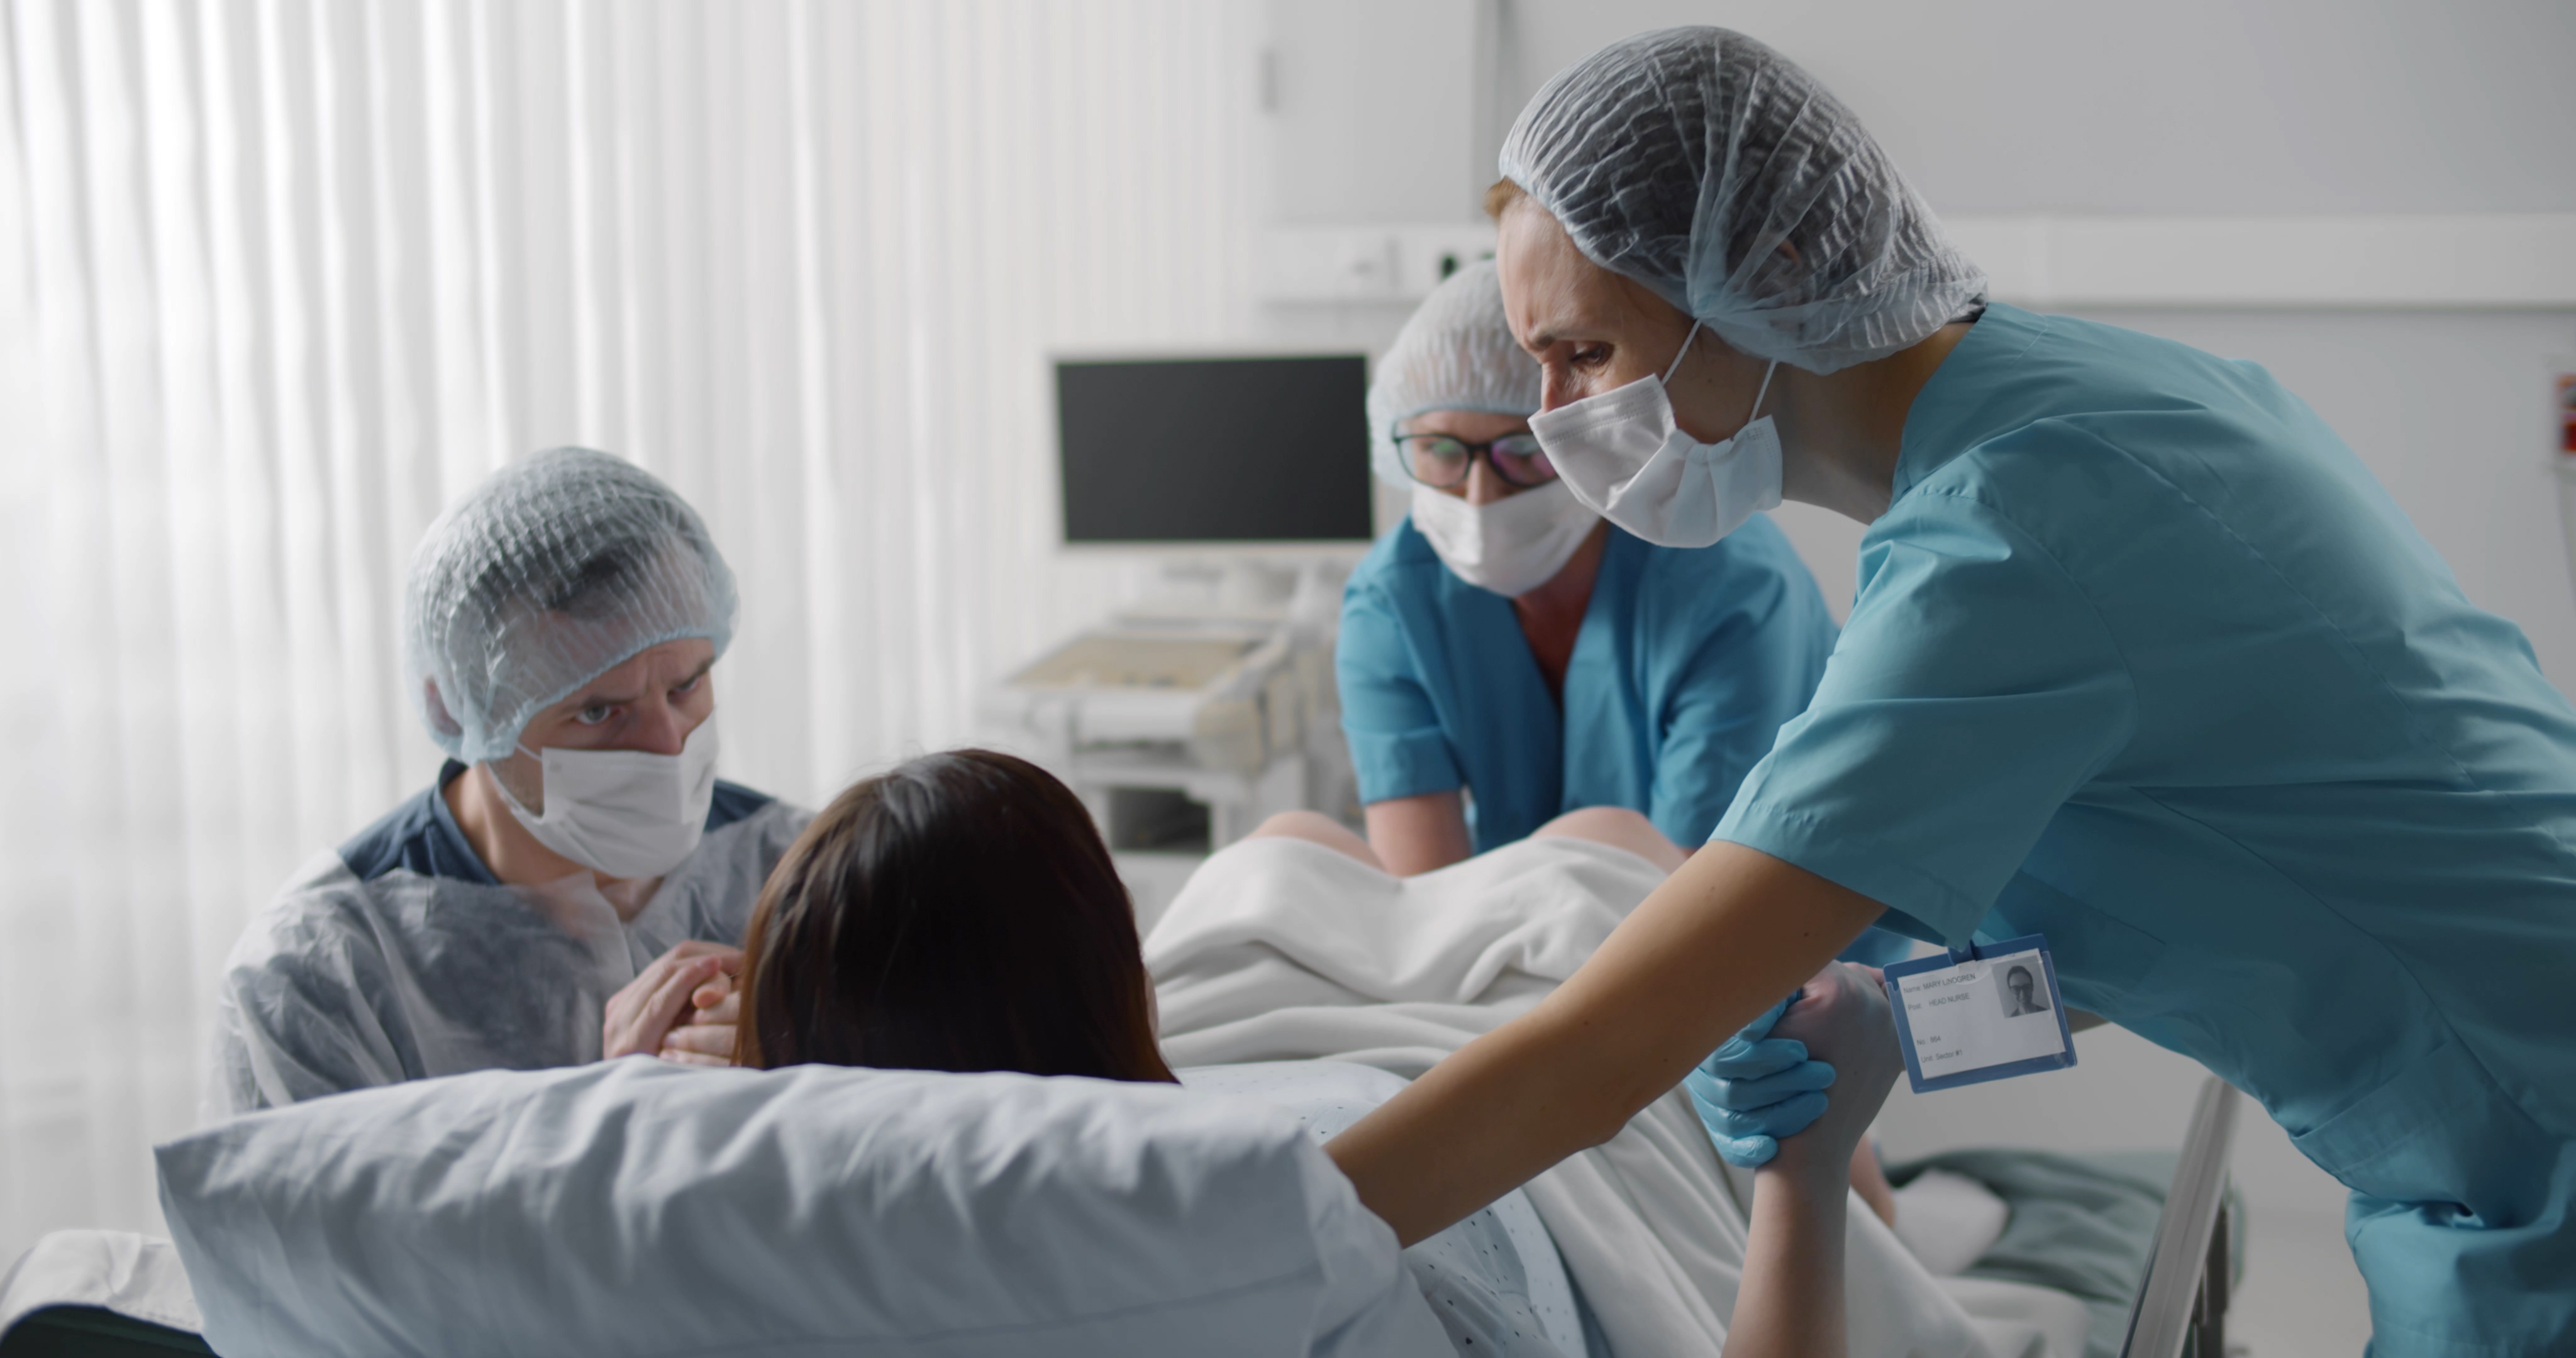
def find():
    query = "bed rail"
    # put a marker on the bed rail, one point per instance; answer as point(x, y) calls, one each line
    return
point(2181, 1305)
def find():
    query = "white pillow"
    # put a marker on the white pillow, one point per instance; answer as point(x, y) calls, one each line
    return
point(637, 1208)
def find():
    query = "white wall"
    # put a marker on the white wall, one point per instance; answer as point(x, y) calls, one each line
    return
point(2199, 108)
point(1376, 108)
point(2226, 108)
point(2256, 107)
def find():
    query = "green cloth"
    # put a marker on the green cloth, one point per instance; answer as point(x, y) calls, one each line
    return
point(92, 1332)
point(2081, 1224)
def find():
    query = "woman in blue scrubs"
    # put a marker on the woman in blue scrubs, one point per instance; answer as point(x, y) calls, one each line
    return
point(1507, 645)
point(2142, 659)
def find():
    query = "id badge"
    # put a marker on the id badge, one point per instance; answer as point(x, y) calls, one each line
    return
point(1987, 1012)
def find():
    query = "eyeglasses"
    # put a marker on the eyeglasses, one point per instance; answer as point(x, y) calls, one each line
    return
point(1440, 462)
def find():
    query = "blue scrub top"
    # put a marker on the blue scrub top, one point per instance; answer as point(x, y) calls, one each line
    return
point(2144, 659)
point(1686, 664)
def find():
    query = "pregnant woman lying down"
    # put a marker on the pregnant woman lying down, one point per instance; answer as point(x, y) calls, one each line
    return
point(961, 913)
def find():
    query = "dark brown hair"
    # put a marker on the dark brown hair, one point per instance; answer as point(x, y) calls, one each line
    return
point(958, 913)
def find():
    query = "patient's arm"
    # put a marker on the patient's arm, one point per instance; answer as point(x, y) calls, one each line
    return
point(1624, 829)
point(1792, 1299)
point(1690, 966)
point(1416, 834)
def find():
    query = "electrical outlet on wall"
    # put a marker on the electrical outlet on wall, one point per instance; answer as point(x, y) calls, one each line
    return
point(1424, 255)
point(1331, 264)
point(1369, 263)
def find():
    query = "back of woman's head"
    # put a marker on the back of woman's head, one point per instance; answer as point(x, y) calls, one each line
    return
point(957, 913)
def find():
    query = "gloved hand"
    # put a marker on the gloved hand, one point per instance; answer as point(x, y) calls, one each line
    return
point(1758, 1088)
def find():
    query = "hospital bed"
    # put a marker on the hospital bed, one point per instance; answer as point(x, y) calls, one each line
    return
point(2178, 1308)
point(2181, 1306)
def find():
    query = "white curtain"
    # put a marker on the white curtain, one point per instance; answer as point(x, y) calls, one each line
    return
point(280, 277)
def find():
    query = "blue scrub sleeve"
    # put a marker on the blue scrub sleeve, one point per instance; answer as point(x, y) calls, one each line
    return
point(1745, 680)
point(1397, 746)
point(1974, 690)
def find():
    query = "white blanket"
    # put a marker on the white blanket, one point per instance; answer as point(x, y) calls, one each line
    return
point(133, 1275)
point(1280, 949)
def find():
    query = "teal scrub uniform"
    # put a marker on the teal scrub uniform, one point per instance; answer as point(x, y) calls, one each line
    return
point(1687, 663)
point(2143, 659)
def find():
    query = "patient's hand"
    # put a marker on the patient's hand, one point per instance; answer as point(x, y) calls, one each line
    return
point(1842, 1017)
point(690, 990)
point(705, 1036)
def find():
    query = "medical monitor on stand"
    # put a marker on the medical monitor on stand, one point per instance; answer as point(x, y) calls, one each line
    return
point(1188, 715)
point(1213, 454)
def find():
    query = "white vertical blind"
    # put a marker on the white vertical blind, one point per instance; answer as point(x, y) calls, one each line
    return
point(280, 277)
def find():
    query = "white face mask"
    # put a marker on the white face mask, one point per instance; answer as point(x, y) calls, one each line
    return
point(1625, 456)
point(624, 813)
point(1512, 545)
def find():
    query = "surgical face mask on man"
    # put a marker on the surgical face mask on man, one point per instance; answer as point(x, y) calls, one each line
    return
point(623, 813)
point(1624, 455)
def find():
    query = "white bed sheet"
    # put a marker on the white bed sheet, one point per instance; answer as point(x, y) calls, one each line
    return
point(1279, 949)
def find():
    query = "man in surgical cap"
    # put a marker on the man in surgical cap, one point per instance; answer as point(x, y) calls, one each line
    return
point(574, 883)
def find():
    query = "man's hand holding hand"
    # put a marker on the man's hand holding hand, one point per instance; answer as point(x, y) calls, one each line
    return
point(681, 1008)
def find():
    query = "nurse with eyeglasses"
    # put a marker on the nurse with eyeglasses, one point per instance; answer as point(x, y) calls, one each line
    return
point(1507, 655)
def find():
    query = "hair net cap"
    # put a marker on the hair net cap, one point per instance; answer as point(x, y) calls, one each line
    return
point(556, 569)
point(1685, 158)
point(1456, 353)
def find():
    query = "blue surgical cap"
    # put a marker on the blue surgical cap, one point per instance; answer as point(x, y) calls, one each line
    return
point(1686, 158)
point(1456, 353)
point(556, 569)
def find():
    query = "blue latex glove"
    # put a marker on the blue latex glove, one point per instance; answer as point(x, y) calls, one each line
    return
point(1758, 1088)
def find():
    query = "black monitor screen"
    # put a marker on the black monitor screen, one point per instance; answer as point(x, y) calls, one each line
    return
point(1214, 449)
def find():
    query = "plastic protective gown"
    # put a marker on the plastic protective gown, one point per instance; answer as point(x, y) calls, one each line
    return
point(399, 957)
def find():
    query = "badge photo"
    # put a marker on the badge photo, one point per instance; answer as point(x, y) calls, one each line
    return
point(1986, 1012)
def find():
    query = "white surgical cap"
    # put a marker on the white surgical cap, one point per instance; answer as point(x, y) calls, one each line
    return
point(1685, 158)
point(1457, 353)
point(556, 569)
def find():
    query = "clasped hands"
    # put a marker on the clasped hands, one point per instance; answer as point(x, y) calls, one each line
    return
point(1765, 1084)
point(683, 1007)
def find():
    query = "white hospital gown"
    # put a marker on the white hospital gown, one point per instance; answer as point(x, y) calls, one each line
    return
point(399, 956)
point(1493, 1280)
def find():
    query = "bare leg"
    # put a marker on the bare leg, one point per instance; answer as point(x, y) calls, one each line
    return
point(1316, 828)
point(1620, 828)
